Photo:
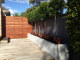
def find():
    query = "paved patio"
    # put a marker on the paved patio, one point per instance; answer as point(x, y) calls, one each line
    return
point(22, 49)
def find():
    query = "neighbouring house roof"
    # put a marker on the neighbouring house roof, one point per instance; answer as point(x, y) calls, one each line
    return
point(5, 11)
point(4, 8)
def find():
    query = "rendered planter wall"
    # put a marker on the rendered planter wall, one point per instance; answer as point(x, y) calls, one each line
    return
point(58, 51)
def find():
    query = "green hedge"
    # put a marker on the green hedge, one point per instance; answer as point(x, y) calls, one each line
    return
point(73, 24)
point(47, 9)
point(41, 12)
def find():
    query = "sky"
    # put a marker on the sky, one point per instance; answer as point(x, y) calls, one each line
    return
point(18, 6)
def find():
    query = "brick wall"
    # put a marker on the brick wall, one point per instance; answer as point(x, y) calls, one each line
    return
point(15, 27)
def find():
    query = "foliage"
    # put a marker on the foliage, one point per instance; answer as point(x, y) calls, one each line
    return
point(35, 2)
point(56, 7)
point(41, 12)
point(16, 14)
point(30, 9)
point(24, 14)
point(73, 24)
point(47, 9)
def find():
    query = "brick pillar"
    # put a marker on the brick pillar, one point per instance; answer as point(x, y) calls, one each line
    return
point(0, 23)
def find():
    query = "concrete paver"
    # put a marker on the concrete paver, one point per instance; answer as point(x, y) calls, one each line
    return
point(22, 49)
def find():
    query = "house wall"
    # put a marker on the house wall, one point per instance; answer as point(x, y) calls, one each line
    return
point(0, 23)
point(15, 27)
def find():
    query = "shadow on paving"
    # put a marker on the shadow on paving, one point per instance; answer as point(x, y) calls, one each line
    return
point(45, 56)
point(22, 49)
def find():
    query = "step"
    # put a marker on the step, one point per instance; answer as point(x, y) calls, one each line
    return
point(3, 42)
point(13, 59)
point(6, 59)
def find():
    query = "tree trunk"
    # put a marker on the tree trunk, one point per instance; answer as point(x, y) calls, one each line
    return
point(39, 30)
point(35, 27)
point(45, 27)
point(55, 28)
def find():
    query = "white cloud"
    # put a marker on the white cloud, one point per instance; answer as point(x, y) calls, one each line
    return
point(12, 11)
point(20, 1)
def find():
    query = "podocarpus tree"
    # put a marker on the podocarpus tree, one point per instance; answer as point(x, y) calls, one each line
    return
point(73, 24)
point(55, 9)
point(24, 14)
point(50, 9)
point(45, 10)
point(40, 13)
point(30, 9)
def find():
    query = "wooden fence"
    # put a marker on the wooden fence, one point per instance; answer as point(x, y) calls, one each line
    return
point(15, 27)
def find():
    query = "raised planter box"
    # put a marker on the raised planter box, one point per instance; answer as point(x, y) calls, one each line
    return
point(58, 51)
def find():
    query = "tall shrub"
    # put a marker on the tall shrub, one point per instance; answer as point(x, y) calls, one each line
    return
point(73, 24)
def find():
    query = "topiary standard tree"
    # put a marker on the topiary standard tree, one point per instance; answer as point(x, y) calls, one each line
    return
point(41, 12)
point(55, 9)
point(24, 14)
point(47, 9)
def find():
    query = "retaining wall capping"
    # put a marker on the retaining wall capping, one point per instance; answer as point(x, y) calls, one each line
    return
point(58, 51)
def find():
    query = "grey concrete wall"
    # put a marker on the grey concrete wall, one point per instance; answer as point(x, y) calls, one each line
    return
point(49, 29)
point(58, 51)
